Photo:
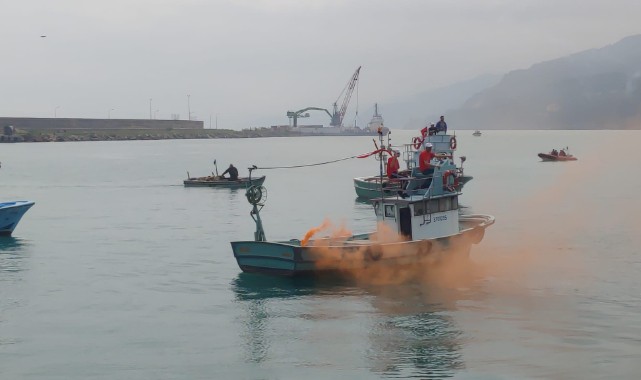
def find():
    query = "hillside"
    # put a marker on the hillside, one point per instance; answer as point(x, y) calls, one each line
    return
point(593, 89)
point(414, 111)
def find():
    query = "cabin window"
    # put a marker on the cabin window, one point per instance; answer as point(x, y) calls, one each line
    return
point(433, 205)
point(389, 211)
point(445, 204)
point(419, 208)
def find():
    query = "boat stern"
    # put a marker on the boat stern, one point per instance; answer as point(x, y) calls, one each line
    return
point(279, 258)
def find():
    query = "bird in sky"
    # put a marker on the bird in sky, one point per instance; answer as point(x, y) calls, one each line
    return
point(43, 36)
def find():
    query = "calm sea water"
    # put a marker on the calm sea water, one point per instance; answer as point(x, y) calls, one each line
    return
point(119, 272)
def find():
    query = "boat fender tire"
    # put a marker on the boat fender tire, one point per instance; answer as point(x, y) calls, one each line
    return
point(453, 142)
point(373, 253)
point(477, 235)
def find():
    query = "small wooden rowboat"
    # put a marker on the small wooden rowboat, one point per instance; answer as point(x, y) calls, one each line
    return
point(217, 181)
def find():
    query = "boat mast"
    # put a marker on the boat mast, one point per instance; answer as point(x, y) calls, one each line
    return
point(380, 162)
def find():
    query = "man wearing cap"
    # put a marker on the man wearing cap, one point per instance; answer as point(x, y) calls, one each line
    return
point(424, 159)
point(441, 126)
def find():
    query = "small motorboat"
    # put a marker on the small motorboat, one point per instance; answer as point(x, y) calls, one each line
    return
point(476, 133)
point(560, 155)
point(10, 215)
point(218, 181)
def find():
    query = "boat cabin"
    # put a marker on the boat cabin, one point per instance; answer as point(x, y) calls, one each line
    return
point(430, 215)
point(442, 143)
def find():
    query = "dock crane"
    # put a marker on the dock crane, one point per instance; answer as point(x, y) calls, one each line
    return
point(337, 117)
point(339, 114)
point(302, 113)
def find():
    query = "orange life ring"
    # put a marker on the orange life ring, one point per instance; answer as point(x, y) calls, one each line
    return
point(446, 177)
point(453, 142)
point(417, 142)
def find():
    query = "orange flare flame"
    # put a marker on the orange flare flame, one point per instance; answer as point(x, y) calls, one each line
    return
point(313, 231)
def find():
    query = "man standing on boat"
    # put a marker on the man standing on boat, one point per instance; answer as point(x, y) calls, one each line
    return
point(441, 126)
point(233, 173)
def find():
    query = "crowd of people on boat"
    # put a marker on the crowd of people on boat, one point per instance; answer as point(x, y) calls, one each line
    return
point(425, 156)
point(559, 153)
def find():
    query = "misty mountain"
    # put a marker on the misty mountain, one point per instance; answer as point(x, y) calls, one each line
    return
point(593, 89)
point(415, 111)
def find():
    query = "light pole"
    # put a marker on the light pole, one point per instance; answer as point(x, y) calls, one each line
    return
point(109, 113)
point(188, 108)
point(150, 115)
point(55, 111)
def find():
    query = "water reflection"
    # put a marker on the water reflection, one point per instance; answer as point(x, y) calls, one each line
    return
point(249, 286)
point(362, 201)
point(11, 250)
point(416, 336)
point(410, 332)
point(260, 294)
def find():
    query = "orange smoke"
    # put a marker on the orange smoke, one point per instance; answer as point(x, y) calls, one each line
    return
point(314, 230)
point(355, 259)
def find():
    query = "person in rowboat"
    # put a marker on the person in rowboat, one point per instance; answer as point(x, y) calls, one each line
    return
point(233, 173)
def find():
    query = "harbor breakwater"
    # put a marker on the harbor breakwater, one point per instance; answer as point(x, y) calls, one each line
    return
point(72, 129)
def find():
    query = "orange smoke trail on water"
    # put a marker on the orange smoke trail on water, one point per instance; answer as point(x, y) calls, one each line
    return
point(550, 245)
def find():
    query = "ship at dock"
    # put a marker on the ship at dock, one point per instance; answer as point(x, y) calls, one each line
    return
point(336, 127)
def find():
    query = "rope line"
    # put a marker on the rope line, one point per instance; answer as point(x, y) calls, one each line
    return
point(305, 165)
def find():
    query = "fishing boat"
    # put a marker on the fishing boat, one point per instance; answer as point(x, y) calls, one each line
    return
point(215, 180)
point(443, 144)
point(421, 227)
point(560, 155)
point(476, 133)
point(218, 181)
point(10, 215)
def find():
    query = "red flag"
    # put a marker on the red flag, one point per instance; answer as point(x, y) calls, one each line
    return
point(365, 155)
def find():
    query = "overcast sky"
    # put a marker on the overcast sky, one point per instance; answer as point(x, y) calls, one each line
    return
point(250, 61)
